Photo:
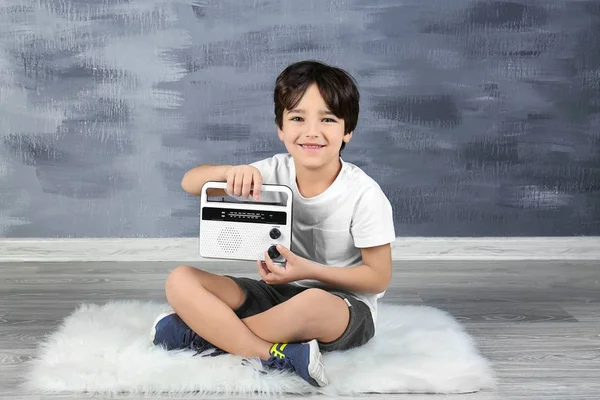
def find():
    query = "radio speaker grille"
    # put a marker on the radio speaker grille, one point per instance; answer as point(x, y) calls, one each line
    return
point(229, 240)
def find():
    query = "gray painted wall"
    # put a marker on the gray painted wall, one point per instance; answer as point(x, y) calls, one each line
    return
point(478, 118)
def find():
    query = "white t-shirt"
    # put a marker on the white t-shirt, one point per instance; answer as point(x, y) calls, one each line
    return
point(330, 228)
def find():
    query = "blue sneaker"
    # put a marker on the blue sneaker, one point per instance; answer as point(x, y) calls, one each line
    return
point(304, 359)
point(170, 332)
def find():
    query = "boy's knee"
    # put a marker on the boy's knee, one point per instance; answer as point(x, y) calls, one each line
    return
point(177, 279)
point(179, 273)
point(313, 295)
point(316, 306)
point(312, 299)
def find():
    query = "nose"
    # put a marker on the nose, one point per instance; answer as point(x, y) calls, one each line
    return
point(313, 129)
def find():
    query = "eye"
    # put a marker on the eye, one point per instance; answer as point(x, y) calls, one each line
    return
point(297, 119)
point(330, 120)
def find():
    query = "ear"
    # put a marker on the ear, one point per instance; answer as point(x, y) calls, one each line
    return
point(279, 131)
point(347, 137)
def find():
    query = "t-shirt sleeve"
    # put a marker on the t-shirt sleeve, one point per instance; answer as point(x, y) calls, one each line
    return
point(373, 220)
point(267, 168)
point(269, 171)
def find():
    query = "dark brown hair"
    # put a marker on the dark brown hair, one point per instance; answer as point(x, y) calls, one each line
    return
point(337, 87)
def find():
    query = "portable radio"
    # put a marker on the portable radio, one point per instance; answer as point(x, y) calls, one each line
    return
point(245, 229)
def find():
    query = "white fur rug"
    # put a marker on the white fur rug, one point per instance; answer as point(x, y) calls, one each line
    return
point(107, 349)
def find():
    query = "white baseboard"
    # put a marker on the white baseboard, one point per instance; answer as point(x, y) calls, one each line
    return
point(404, 248)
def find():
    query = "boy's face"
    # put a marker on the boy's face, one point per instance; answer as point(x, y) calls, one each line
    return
point(312, 123)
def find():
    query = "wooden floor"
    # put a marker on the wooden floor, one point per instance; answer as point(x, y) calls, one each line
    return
point(538, 322)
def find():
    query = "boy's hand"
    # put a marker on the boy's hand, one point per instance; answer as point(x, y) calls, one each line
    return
point(295, 269)
point(242, 180)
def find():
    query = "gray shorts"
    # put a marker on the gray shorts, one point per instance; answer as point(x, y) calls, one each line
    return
point(261, 296)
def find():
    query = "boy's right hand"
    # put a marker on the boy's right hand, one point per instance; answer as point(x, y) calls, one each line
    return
point(243, 180)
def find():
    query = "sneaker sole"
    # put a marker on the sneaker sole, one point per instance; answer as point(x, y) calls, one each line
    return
point(316, 367)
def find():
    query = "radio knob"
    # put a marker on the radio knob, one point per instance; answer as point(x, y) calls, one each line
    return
point(275, 233)
point(273, 253)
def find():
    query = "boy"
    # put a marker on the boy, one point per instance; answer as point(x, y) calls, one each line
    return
point(339, 264)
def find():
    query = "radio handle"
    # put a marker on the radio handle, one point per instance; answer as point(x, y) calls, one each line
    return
point(267, 187)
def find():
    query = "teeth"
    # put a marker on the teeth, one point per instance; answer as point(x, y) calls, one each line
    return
point(312, 147)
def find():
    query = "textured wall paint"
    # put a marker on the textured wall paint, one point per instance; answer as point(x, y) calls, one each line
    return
point(478, 118)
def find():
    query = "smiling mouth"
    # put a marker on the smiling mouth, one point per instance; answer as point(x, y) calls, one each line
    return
point(311, 146)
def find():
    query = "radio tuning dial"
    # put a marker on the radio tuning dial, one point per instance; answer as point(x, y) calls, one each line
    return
point(273, 252)
point(275, 233)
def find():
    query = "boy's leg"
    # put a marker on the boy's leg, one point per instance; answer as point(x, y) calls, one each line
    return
point(293, 318)
point(206, 302)
point(300, 314)
point(271, 313)
point(360, 328)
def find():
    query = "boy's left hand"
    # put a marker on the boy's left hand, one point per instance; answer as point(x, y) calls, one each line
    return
point(296, 268)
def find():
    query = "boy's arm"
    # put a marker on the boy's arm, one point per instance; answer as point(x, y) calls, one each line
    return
point(372, 276)
point(373, 232)
point(195, 178)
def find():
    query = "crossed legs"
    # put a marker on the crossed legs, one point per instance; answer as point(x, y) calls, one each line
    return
point(206, 303)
